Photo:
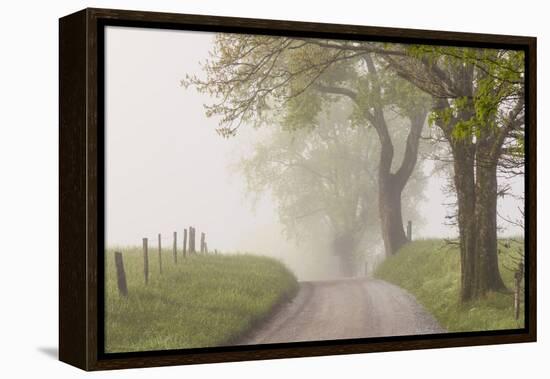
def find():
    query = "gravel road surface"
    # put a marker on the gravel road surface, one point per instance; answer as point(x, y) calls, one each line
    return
point(341, 309)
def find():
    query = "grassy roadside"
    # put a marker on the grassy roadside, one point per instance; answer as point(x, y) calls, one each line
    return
point(201, 301)
point(430, 270)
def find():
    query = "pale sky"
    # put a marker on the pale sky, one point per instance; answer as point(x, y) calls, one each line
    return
point(166, 168)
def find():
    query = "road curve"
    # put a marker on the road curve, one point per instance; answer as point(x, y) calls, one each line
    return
point(342, 309)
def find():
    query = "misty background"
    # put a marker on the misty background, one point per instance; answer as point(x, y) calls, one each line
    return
point(167, 168)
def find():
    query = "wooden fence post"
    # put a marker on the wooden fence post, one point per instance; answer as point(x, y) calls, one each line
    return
point(120, 275)
point(175, 247)
point(189, 237)
point(203, 237)
point(194, 240)
point(206, 247)
point(191, 240)
point(160, 255)
point(409, 230)
point(145, 261)
point(517, 291)
point(184, 242)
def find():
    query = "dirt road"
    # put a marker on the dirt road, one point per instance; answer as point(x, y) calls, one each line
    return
point(340, 309)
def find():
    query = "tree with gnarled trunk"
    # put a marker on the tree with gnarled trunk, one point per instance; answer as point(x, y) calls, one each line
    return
point(372, 101)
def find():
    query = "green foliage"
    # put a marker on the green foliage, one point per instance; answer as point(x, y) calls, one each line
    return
point(497, 81)
point(430, 270)
point(405, 98)
point(302, 111)
point(443, 116)
point(202, 301)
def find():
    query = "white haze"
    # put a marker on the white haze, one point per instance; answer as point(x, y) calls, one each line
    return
point(167, 169)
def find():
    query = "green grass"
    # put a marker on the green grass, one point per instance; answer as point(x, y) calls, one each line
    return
point(204, 300)
point(430, 270)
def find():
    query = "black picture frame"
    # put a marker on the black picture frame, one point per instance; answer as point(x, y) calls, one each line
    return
point(81, 184)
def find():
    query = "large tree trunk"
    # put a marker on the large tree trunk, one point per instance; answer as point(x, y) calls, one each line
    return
point(389, 201)
point(391, 185)
point(488, 276)
point(475, 180)
point(464, 181)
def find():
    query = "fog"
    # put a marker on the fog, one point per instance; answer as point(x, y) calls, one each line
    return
point(167, 168)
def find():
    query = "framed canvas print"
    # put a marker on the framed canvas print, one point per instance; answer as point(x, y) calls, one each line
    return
point(238, 189)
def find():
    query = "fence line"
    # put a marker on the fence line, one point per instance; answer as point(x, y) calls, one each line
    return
point(188, 248)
